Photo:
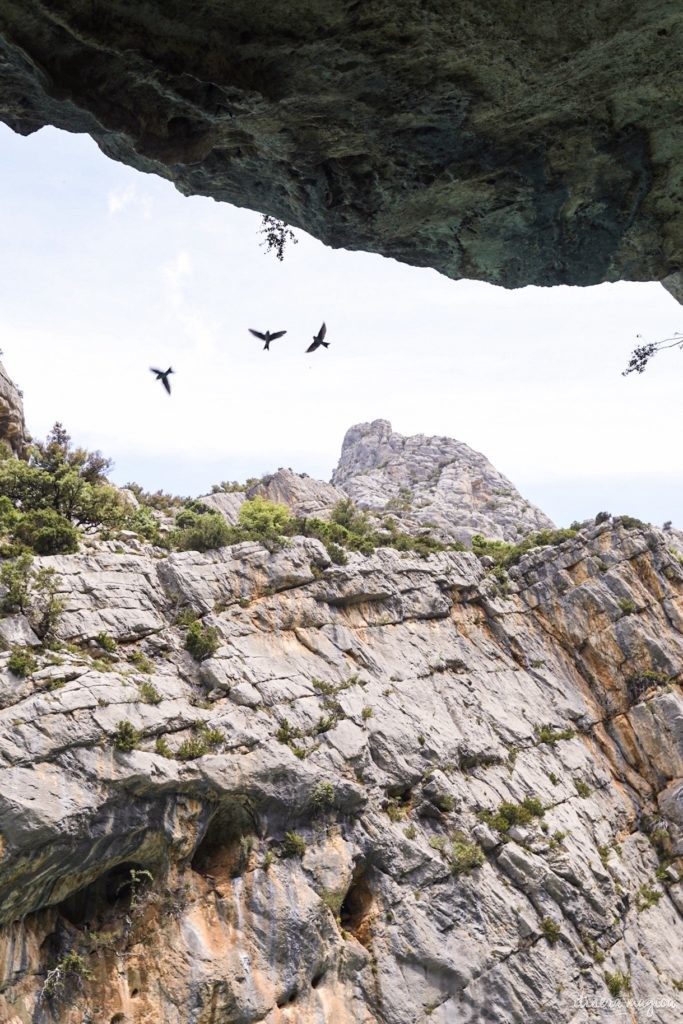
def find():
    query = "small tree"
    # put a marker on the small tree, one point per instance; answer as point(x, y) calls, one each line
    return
point(277, 235)
point(642, 354)
point(264, 520)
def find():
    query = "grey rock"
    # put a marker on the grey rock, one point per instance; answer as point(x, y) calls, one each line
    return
point(499, 147)
point(433, 483)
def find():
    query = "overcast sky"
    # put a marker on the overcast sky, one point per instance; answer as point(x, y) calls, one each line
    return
point(105, 272)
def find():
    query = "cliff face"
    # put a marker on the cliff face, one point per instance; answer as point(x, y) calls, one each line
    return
point(12, 426)
point(512, 143)
point(379, 710)
point(433, 482)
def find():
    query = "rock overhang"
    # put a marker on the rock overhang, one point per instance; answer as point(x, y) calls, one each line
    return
point(494, 142)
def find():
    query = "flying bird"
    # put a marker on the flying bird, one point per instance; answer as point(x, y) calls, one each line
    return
point(162, 375)
point(267, 337)
point(318, 340)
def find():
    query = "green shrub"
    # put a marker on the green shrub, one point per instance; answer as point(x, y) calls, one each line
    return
point(630, 523)
point(22, 662)
point(201, 641)
point(322, 797)
point(71, 966)
point(204, 532)
point(366, 713)
point(464, 855)
point(162, 748)
point(293, 845)
point(140, 661)
point(264, 520)
point(647, 897)
point(551, 930)
point(336, 553)
point(547, 734)
point(149, 693)
point(617, 983)
point(47, 532)
point(17, 577)
point(506, 555)
point(126, 737)
point(627, 607)
point(192, 748)
point(582, 788)
point(203, 742)
point(509, 814)
point(106, 642)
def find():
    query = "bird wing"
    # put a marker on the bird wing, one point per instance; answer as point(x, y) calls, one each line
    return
point(313, 347)
point(322, 332)
point(152, 370)
point(278, 334)
point(257, 334)
point(166, 384)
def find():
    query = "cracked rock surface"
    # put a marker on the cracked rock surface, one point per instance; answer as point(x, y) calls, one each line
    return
point(505, 142)
point(423, 795)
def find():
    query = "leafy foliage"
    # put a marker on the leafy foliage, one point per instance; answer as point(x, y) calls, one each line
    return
point(201, 641)
point(47, 532)
point(505, 555)
point(126, 737)
point(22, 662)
point(643, 353)
point(277, 235)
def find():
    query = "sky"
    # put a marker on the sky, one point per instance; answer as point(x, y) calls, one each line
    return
point(105, 271)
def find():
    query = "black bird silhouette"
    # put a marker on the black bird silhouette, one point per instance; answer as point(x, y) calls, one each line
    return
point(162, 375)
point(318, 340)
point(267, 337)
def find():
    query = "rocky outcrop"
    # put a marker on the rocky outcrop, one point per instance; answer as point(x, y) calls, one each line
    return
point(12, 426)
point(433, 483)
point(302, 494)
point(338, 847)
point(517, 144)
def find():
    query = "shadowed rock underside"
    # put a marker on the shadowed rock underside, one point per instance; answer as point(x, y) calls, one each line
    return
point(511, 143)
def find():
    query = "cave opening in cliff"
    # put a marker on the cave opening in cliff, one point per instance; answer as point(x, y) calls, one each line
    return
point(223, 851)
point(115, 888)
point(356, 911)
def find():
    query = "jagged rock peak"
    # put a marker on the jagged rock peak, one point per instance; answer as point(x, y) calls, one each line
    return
point(12, 426)
point(434, 482)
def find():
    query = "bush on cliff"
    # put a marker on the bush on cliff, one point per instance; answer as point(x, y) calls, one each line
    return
point(47, 532)
point(55, 489)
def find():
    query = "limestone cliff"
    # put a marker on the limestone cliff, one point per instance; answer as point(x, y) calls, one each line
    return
point(509, 142)
point(399, 791)
point(12, 426)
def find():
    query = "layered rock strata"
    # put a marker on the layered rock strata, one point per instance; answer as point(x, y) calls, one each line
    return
point(346, 850)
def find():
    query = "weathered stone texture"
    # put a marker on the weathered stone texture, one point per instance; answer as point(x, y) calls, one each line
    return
point(433, 483)
point(507, 142)
point(414, 691)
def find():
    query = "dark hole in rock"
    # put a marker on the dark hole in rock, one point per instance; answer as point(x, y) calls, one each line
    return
point(135, 992)
point(118, 1018)
point(110, 889)
point(356, 912)
point(317, 977)
point(224, 850)
point(400, 794)
point(287, 998)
